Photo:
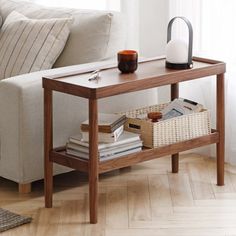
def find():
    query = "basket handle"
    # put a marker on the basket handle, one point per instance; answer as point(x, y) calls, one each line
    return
point(133, 126)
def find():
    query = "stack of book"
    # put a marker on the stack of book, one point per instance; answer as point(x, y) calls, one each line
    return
point(113, 140)
point(110, 127)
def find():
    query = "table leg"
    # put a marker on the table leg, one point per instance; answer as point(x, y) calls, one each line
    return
point(48, 140)
point(220, 147)
point(175, 157)
point(93, 160)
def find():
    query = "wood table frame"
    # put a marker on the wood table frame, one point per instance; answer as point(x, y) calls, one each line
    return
point(140, 80)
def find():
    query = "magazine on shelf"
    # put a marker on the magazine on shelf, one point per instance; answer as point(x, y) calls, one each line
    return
point(106, 151)
point(107, 123)
point(125, 137)
point(105, 157)
point(105, 137)
point(179, 107)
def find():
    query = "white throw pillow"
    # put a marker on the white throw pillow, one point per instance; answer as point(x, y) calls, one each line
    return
point(28, 45)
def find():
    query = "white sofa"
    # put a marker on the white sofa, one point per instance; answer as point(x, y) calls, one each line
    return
point(95, 36)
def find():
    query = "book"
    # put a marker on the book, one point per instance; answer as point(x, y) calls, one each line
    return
point(107, 123)
point(105, 137)
point(125, 137)
point(103, 158)
point(180, 107)
point(106, 151)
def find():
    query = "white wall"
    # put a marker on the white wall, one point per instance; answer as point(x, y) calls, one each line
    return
point(153, 27)
point(153, 21)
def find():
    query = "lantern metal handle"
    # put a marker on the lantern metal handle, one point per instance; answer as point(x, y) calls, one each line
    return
point(190, 30)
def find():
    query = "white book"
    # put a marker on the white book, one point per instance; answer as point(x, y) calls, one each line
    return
point(121, 148)
point(102, 152)
point(105, 137)
point(103, 158)
point(125, 137)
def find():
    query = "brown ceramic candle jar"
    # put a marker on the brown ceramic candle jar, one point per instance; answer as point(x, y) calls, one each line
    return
point(127, 61)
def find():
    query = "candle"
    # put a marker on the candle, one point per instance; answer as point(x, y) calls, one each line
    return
point(127, 61)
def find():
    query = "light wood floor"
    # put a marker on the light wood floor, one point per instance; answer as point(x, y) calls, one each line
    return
point(145, 200)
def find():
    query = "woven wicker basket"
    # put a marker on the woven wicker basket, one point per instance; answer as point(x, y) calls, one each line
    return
point(167, 131)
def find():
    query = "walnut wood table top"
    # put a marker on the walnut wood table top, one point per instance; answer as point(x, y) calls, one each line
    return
point(148, 75)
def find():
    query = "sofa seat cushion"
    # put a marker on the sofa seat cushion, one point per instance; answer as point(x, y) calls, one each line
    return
point(95, 35)
point(28, 45)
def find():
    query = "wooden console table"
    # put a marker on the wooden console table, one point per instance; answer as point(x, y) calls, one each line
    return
point(150, 74)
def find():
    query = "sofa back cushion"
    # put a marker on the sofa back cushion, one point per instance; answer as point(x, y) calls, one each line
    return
point(28, 45)
point(95, 35)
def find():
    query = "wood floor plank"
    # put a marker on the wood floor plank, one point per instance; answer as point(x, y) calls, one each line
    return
point(224, 202)
point(138, 199)
point(22, 207)
point(48, 221)
point(117, 178)
point(225, 195)
point(167, 232)
point(231, 170)
point(117, 208)
point(200, 181)
point(180, 190)
point(160, 194)
point(72, 217)
point(205, 209)
point(187, 222)
point(157, 166)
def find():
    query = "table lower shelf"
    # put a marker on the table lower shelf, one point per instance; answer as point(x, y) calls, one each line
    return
point(59, 155)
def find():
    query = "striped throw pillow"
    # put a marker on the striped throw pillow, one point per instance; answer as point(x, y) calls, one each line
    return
point(28, 45)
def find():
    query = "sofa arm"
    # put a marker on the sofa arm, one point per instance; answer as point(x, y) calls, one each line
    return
point(21, 120)
point(21, 123)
